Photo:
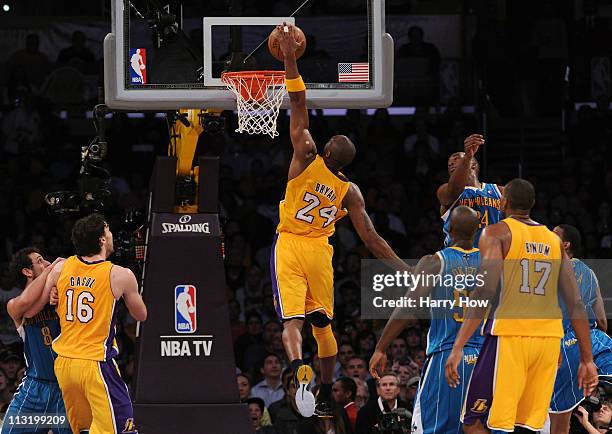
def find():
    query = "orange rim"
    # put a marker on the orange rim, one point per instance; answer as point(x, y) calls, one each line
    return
point(272, 77)
point(252, 85)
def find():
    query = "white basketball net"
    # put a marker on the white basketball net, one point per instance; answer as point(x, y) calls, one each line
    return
point(259, 97)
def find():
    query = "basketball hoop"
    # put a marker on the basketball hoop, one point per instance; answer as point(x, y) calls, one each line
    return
point(259, 95)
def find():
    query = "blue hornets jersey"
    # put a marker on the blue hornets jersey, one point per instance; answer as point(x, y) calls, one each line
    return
point(445, 323)
point(38, 333)
point(486, 201)
point(587, 284)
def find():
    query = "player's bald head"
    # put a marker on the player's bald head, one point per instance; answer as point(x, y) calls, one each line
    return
point(339, 152)
point(519, 195)
point(453, 160)
point(464, 223)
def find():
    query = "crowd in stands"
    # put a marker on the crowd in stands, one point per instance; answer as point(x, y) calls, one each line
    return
point(399, 165)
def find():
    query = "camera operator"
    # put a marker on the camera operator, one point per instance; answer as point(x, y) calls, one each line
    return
point(594, 422)
point(373, 413)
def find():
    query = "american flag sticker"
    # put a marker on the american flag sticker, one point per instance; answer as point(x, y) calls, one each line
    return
point(354, 72)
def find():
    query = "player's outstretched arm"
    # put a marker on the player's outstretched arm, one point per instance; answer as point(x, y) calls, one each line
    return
point(31, 300)
point(587, 371)
point(428, 265)
point(354, 203)
point(449, 192)
point(304, 148)
point(123, 280)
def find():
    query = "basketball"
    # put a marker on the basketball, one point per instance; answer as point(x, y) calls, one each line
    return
point(275, 49)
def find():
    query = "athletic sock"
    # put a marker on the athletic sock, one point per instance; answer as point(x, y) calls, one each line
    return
point(325, 392)
point(295, 365)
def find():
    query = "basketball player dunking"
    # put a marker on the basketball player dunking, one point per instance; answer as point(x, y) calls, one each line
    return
point(464, 188)
point(317, 195)
point(88, 287)
point(512, 382)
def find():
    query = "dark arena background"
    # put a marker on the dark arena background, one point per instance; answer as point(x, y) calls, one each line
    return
point(532, 76)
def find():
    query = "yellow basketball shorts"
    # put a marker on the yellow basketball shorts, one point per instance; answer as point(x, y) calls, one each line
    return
point(302, 276)
point(512, 382)
point(95, 396)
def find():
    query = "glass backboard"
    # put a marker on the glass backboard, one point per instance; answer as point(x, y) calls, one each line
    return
point(165, 56)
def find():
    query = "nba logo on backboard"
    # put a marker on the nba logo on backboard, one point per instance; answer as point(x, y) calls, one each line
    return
point(185, 309)
point(138, 66)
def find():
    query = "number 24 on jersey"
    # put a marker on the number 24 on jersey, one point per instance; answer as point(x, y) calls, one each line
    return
point(308, 212)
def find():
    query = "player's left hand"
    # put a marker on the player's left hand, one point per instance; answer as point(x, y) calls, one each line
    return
point(379, 359)
point(587, 377)
point(451, 371)
point(472, 143)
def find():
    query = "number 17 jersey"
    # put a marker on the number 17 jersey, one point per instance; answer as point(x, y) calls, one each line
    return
point(313, 201)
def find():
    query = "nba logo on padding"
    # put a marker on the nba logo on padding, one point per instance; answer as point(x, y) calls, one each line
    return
point(185, 310)
point(138, 66)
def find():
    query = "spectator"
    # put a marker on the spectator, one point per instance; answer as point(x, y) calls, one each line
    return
point(312, 51)
point(363, 394)
point(409, 391)
point(256, 411)
point(22, 127)
point(251, 292)
point(418, 355)
point(388, 392)
point(357, 367)
point(367, 343)
point(78, 55)
point(244, 386)
point(398, 349)
point(10, 363)
point(6, 392)
point(382, 132)
point(403, 369)
point(421, 134)
point(29, 63)
point(345, 353)
point(350, 331)
point(284, 413)
point(418, 48)
point(413, 338)
point(271, 331)
point(270, 389)
point(597, 423)
point(344, 392)
point(238, 327)
point(253, 337)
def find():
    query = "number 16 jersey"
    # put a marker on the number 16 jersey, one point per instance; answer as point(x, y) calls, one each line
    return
point(313, 201)
point(86, 309)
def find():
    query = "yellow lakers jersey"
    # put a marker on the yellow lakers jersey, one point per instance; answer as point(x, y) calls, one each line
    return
point(528, 303)
point(86, 309)
point(313, 201)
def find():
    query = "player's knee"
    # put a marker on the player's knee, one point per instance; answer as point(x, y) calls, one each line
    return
point(318, 319)
point(326, 341)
